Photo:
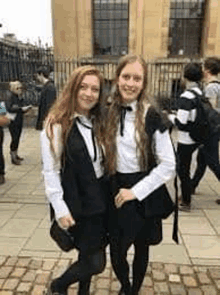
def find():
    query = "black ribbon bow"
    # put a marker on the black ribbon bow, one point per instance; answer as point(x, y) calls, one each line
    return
point(124, 109)
point(93, 137)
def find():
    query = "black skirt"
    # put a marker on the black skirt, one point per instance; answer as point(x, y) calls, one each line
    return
point(128, 222)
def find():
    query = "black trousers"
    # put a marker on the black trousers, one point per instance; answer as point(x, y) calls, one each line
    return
point(82, 270)
point(2, 160)
point(15, 129)
point(208, 155)
point(184, 156)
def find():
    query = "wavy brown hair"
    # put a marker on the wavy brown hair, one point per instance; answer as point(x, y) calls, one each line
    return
point(113, 119)
point(64, 108)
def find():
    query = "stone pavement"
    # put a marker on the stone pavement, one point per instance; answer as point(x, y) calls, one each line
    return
point(29, 258)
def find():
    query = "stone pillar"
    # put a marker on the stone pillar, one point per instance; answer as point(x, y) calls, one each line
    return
point(72, 28)
point(149, 28)
point(211, 36)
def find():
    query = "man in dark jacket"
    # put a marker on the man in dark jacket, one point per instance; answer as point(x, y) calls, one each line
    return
point(48, 95)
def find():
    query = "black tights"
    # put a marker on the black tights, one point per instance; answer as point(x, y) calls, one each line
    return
point(120, 264)
point(81, 271)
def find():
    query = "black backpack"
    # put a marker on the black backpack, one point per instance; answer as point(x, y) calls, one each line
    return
point(207, 120)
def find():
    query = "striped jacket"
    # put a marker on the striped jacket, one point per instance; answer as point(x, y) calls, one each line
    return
point(186, 113)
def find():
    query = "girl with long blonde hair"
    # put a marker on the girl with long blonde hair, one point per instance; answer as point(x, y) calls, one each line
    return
point(75, 183)
point(139, 158)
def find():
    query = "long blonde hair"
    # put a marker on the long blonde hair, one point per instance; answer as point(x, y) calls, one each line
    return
point(64, 108)
point(113, 119)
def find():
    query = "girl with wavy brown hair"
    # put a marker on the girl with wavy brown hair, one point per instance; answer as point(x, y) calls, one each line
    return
point(75, 183)
point(140, 158)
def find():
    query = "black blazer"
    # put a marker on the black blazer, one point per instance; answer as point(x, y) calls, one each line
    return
point(83, 192)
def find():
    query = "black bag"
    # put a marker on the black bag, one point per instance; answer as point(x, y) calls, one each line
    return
point(158, 203)
point(63, 238)
point(207, 119)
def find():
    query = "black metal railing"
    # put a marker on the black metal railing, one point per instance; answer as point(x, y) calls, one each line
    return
point(164, 75)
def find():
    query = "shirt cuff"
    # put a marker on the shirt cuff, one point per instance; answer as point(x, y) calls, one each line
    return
point(59, 207)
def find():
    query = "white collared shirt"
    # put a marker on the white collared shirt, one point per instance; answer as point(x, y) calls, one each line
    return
point(127, 158)
point(52, 164)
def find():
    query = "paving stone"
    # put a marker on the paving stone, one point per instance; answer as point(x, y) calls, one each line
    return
point(10, 284)
point(194, 291)
point(146, 291)
point(2, 259)
point(171, 268)
point(18, 272)
point(48, 264)
point(23, 262)
point(102, 292)
point(35, 264)
point(189, 281)
point(174, 278)
point(203, 278)
point(147, 281)
point(161, 287)
point(24, 287)
point(29, 276)
point(38, 290)
point(5, 271)
point(186, 270)
point(200, 268)
point(6, 293)
point(215, 273)
point(103, 283)
point(115, 286)
point(11, 261)
point(217, 282)
point(1, 283)
point(209, 290)
point(43, 278)
point(158, 275)
point(177, 289)
point(157, 265)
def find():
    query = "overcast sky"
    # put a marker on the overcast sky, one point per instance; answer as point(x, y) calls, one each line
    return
point(27, 19)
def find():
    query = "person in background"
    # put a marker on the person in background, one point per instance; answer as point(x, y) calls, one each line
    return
point(184, 118)
point(75, 182)
point(15, 108)
point(4, 120)
point(132, 127)
point(47, 96)
point(211, 149)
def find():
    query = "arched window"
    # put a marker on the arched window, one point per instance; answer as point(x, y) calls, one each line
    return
point(110, 27)
point(186, 24)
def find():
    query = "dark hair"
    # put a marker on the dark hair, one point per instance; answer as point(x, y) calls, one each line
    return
point(43, 70)
point(212, 64)
point(193, 72)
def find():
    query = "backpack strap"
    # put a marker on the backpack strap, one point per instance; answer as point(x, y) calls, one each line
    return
point(216, 81)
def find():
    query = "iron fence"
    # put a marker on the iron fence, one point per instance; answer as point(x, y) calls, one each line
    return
point(164, 75)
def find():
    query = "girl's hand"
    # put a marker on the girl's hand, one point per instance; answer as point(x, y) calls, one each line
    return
point(123, 196)
point(66, 221)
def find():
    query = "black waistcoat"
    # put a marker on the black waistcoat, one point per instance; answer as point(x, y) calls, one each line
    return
point(83, 192)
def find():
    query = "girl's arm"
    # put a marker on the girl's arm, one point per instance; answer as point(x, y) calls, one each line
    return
point(51, 172)
point(162, 173)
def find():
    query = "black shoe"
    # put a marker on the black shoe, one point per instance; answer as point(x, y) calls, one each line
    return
point(19, 158)
point(53, 290)
point(217, 201)
point(15, 162)
point(2, 179)
point(184, 207)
